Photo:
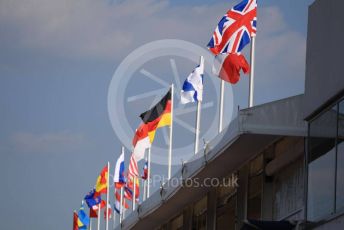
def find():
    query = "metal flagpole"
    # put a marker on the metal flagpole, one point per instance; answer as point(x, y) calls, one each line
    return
point(121, 207)
point(198, 114)
point(114, 219)
point(144, 190)
point(134, 195)
point(107, 197)
point(251, 84)
point(124, 210)
point(90, 228)
point(98, 222)
point(222, 95)
point(145, 182)
point(121, 199)
point(198, 118)
point(149, 169)
point(171, 136)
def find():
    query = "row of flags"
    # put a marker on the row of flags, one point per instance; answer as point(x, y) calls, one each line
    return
point(234, 31)
point(232, 34)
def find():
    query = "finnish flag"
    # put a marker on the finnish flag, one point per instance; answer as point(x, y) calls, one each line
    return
point(193, 86)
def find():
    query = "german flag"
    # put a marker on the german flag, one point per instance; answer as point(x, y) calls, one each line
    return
point(158, 116)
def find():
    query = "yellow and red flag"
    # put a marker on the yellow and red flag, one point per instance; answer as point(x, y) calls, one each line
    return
point(101, 184)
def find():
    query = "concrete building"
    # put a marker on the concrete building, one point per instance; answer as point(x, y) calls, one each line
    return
point(288, 155)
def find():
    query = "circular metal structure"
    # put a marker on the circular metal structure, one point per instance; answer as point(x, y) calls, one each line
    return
point(120, 95)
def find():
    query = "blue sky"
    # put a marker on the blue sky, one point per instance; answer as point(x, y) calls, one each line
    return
point(56, 62)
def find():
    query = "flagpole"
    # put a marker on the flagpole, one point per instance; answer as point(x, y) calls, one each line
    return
point(121, 206)
point(134, 195)
point(98, 222)
point(251, 84)
point(145, 182)
point(107, 197)
point(121, 198)
point(171, 136)
point(90, 228)
point(114, 214)
point(198, 114)
point(123, 215)
point(144, 190)
point(222, 94)
point(149, 169)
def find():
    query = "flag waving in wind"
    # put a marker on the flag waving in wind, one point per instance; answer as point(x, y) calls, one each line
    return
point(235, 29)
point(92, 198)
point(193, 86)
point(145, 171)
point(228, 67)
point(75, 221)
point(118, 202)
point(101, 184)
point(83, 219)
point(158, 116)
point(141, 142)
point(118, 178)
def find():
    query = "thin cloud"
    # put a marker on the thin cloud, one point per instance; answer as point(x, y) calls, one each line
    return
point(98, 30)
point(46, 143)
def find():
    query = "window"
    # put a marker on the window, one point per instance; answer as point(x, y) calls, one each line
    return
point(177, 223)
point(340, 159)
point(288, 191)
point(226, 207)
point(199, 220)
point(321, 165)
point(255, 185)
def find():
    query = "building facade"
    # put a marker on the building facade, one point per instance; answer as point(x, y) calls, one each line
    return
point(287, 155)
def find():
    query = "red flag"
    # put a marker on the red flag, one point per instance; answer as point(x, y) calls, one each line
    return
point(93, 213)
point(102, 205)
point(75, 221)
point(228, 66)
point(118, 201)
point(109, 210)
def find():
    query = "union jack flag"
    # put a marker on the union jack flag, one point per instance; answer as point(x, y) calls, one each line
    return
point(235, 29)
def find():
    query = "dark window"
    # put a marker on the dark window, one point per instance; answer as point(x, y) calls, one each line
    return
point(255, 185)
point(288, 191)
point(176, 223)
point(226, 207)
point(321, 168)
point(340, 159)
point(225, 214)
point(199, 219)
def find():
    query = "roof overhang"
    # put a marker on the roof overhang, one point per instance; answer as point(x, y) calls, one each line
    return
point(248, 134)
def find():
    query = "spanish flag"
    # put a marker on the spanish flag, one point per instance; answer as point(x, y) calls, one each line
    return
point(158, 116)
point(101, 184)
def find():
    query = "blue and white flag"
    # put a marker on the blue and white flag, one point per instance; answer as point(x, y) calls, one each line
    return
point(193, 86)
point(118, 177)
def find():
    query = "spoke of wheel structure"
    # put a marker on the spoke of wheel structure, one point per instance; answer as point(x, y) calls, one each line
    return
point(155, 78)
point(166, 135)
point(192, 109)
point(185, 125)
point(157, 93)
